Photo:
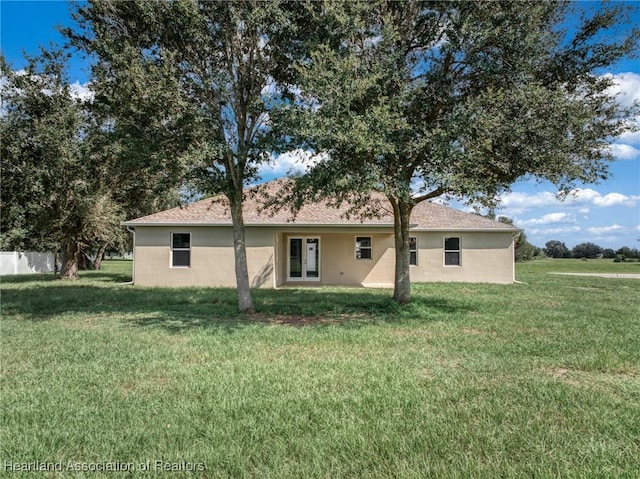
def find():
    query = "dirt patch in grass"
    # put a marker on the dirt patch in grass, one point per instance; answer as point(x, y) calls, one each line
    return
point(467, 291)
point(147, 385)
point(420, 333)
point(427, 375)
point(563, 374)
point(532, 330)
point(84, 323)
point(289, 352)
point(296, 320)
point(480, 332)
point(593, 379)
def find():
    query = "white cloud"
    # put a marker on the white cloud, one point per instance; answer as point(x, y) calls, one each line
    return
point(615, 199)
point(520, 200)
point(583, 195)
point(624, 152)
point(443, 201)
point(630, 137)
point(296, 161)
point(603, 230)
point(81, 92)
point(626, 87)
point(518, 203)
point(550, 218)
point(554, 231)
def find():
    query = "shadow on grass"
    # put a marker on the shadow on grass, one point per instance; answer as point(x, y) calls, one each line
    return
point(95, 275)
point(180, 309)
point(27, 278)
point(109, 277)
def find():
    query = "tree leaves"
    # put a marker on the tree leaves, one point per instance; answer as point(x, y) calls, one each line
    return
point(54, 190)
point(418, 99)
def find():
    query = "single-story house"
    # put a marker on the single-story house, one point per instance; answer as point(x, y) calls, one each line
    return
point(193, 246)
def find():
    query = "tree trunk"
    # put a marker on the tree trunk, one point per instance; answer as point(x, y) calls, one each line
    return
point(245, 303)
point(402, 281)
point(70, 262)
point(99, 256)
point(84, 263)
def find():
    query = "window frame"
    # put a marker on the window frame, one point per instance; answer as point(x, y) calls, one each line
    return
point(173, 249)
point(361, 248)
point(458, 251)
point(415, 250)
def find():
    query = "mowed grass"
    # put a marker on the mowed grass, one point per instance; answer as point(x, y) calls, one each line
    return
point(470, 380)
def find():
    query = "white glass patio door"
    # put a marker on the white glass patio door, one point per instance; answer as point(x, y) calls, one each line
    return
point(303, 258)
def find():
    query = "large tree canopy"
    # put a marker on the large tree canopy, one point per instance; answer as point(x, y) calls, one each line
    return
point(54, 189)
point(421, 99)
point(221, 66)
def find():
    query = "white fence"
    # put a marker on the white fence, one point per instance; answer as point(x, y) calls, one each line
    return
point(14, 262)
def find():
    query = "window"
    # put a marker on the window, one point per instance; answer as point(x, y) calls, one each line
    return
point(180, 250)
point(363, 247)
point(413, 251)
point(452, 251)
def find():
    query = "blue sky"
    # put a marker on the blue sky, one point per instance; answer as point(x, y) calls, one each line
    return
point(607, 214)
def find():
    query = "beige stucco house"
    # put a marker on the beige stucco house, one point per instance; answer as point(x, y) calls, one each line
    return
point(193, 246)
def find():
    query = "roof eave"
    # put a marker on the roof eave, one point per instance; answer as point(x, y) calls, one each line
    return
point(469, 230)
point(413, 227)
point(331, 225)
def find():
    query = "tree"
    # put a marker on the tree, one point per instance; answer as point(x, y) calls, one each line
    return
point(140, 134)
point(422, 99)
point(523, 250)
point(53, 196)
point(538, 252)
point(556, 249)
point(586, 250)
point(627, 253)
point(227, 62)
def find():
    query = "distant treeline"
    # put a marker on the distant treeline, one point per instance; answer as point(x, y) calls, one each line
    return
point(557, 249)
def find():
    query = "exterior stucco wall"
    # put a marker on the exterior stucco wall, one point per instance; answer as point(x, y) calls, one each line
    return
point(338, 263)
point(485, 257)
point(212, 258)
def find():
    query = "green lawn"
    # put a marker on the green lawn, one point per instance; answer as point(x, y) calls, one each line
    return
point(528, 380)
point(550, 265)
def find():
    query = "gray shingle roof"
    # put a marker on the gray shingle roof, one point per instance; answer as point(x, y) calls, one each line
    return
point(215, 211)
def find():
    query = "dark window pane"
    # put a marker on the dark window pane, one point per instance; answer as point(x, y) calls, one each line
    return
point(181, 240)
point(413, 250)
point(295, 258)
point(452, 259)
point(452, 244)
point(181, 258)
point(363, 253)
point(363, 247)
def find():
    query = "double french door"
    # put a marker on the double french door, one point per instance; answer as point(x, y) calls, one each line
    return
point(303, 258)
